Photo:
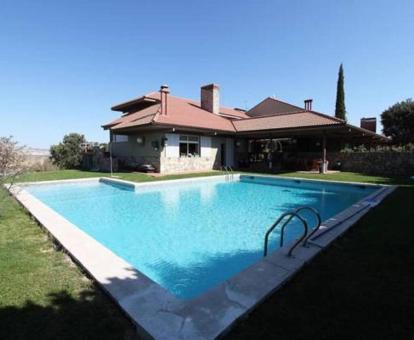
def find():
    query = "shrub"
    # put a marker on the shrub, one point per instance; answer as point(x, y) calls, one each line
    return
point(381, 148)
point(43, 165)
point(68, 153)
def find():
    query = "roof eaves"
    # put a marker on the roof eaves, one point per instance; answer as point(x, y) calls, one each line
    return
point(291, 128)
point(192, 127)
point(137, 119)
point(228, 115)
point(120, 106)
point(365, 131)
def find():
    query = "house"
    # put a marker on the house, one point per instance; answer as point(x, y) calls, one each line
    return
point(177, 134)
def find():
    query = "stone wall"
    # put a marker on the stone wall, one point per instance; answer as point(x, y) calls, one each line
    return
point(210, 158)
point(376, 163)
point(182, 164)
point(371, 163)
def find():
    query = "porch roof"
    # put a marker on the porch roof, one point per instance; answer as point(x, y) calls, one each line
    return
point(286, 120)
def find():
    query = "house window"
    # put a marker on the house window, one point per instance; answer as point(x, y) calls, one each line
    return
point(189, 146)
point(119, 138)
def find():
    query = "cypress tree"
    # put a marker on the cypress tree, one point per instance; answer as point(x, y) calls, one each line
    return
point(340, 111)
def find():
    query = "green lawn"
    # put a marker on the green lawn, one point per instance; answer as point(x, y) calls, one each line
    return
point(361, 287)
point(43, 295)
point(129, 176)
point(352, 177)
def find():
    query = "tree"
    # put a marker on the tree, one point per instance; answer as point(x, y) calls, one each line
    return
point(398, 122)
point(340, 111)
point(12, 162)
point(68, 153)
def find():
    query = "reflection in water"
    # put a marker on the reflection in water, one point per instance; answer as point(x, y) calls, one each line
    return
point(171, 199)
point(207, 194)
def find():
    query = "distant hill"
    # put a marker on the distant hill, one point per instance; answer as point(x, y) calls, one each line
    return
point(38, 152)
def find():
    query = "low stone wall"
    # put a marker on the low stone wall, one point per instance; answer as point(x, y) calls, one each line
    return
point(370, 163)
point(183, 164)
point(376, 163)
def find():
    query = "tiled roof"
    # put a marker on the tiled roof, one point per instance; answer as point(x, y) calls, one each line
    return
point(286, 121)
point(130, 118)
point(188, 113)
point(272, 106)
point(181, 112)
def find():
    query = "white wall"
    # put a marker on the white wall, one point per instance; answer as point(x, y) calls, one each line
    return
point(171, 162)
point(172, 145)
point(205, 146)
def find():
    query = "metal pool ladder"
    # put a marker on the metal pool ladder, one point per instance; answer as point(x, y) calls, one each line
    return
point(291, 214)
point(229, 172)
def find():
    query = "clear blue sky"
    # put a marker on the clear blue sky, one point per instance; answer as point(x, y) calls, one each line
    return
point(63, 64)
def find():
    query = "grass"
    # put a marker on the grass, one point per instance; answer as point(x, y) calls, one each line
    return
point(43, 295)
point(361, 287)
point(129, 176)
point(352, 177)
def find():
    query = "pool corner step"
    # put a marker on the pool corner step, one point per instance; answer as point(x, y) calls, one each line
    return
point(119, 183)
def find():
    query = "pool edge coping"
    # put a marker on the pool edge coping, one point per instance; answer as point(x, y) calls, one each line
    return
point(155, 311)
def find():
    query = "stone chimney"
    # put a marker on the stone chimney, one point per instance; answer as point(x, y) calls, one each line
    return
point(164, 91)
point(369, 124)
point(308, 104)
point(210, 98)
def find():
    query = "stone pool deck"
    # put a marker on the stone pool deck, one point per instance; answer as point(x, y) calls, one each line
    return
point(159, 314)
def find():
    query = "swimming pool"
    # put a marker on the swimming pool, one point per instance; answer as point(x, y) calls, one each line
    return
point(191, 236)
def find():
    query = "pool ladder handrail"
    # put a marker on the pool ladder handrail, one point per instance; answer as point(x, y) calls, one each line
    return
point(229, 172)
point(297, 210)
point(305, 236)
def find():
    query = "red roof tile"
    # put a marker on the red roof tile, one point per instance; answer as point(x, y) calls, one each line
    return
point(181, 112)
point(285, 121)
point(272, 106)
point(188, 113)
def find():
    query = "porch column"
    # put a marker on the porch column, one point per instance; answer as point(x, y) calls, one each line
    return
point(324, 167)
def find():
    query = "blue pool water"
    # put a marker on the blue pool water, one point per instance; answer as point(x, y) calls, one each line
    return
point(189, 237)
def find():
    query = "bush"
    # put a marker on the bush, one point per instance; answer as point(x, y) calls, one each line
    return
point(381, 148)
point(43, 165)
point(68, 153)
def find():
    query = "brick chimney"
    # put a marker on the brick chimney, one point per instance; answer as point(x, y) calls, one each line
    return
point(210, 98)
point(164, 91)
point(308, 104)
point(369, 124)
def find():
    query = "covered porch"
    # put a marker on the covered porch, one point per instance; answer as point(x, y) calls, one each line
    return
point(314, 149)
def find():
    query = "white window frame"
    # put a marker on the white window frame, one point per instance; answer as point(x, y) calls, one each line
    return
point(185, 139)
